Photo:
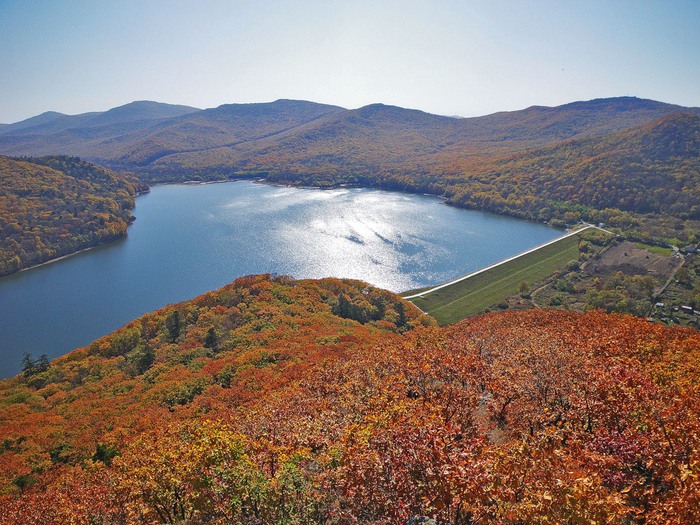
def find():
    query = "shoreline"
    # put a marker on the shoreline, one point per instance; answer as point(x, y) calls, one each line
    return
point(131, 220)
point(254, 180)
point(566, 235)
point(265, 182)
point(66, 256)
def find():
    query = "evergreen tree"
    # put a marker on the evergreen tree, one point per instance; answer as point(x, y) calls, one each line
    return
point(28, 365)
point(210, 340)
point(42, 364)
point(172, 325)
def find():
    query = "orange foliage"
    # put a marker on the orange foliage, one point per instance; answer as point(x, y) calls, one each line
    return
point(53, 206)
point(287, 412)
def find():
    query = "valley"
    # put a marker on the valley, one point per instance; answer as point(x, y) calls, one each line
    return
point(188, 239)
point(531, 396)
point(627, 162)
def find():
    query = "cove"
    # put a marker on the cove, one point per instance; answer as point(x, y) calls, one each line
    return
point(189, 239)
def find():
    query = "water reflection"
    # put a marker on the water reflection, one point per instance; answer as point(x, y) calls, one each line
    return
point(190, 239)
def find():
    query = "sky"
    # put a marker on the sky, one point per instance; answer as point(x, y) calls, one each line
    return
point(449, 57)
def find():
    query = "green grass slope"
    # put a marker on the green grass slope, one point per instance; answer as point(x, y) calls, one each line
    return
point(488, 288)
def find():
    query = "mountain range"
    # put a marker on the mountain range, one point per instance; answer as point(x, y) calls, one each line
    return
point(592, 160)
point(155, 139)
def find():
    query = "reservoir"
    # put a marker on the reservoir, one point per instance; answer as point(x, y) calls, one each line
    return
point(189, 239)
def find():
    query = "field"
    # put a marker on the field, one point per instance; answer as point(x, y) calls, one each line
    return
point(621, 277)
point(475, 294)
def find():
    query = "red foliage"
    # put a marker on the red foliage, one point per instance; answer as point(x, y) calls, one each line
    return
point(262, 404)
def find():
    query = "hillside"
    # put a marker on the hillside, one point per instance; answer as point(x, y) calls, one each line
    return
point(258, 133)
point(53, 206)
point(228, 125)
point(128, 137)
point(281, 401)
point(143, 112)
point(42, 122)
point(605, 160)
point(77, 135)
point(649, 169)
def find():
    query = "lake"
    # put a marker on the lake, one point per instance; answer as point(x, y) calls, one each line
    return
point(188, 239)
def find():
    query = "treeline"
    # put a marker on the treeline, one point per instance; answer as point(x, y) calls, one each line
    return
point(54, 206)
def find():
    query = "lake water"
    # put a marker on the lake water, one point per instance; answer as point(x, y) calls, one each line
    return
point(190, 239)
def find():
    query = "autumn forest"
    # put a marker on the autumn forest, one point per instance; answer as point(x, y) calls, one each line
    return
point(55, 206)
point(281, 401)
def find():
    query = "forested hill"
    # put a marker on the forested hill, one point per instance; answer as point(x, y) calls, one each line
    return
point(160, 140)
point(53, 206)
point(332, 402)
point(598, 160)
point(651, 168)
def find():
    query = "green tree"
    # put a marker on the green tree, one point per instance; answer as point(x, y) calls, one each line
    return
point(23, 481)
point(210, 339)
point(105, 453)
point(139, 360)
point(28, 365)
point(683, 276)
point(172, 325)
point(524, 289)
point(43, 363)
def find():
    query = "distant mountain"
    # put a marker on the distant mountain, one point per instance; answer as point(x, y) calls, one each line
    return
point(225, 126)
point(470, 161)
point(48, 126)
point(52, 132)
point(131, 136)
point(152, 137)
point(140, 111)
point(539, 125)
point(53, 122)
point(40, 120)
point(651, 168)
point(340, 142)
point(377, 138)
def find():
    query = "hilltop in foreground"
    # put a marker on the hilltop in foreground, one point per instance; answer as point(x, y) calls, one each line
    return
point(281, 401)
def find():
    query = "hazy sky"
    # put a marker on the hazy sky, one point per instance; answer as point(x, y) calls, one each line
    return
point(447, 57)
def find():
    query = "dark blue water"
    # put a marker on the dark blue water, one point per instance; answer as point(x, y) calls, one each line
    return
point(190, 239)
